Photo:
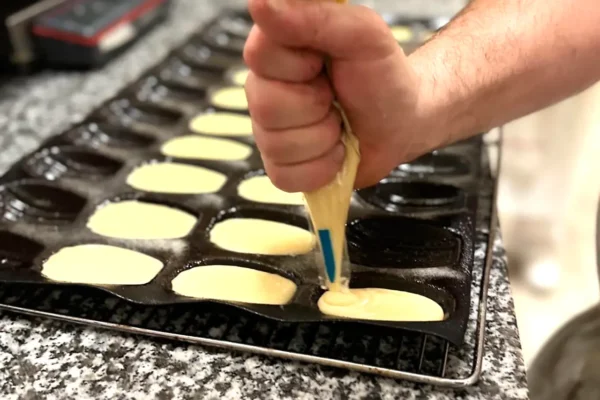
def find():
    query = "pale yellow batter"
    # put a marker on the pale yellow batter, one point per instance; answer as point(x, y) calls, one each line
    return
point(259, 236)
point(97, 264)
point(380, 305)
point(222, 124)
point(239, 76)
point(402, 34)
point(328, 207)
point(205, 148)
point(176, 179)
point(231, 283)
point(136, 220)
point(232, 98)
point(260, 189)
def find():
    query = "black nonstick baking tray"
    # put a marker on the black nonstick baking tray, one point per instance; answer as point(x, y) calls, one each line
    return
point(414, 231)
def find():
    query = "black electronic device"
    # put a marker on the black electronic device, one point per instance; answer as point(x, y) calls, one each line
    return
point(74, 33)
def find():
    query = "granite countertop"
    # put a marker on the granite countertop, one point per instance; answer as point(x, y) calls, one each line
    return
point(43, 359)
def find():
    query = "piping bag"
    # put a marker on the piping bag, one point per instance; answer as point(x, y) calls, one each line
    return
point(328, 209)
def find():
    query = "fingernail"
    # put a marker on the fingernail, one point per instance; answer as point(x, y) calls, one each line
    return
point(338, 153)
point(275, 5)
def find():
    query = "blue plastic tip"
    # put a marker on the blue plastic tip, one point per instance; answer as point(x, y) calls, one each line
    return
point(328, 257)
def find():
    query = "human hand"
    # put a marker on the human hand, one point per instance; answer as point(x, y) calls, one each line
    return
point(295, 125)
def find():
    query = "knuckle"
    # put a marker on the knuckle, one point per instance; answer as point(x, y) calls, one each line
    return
point(252, 49)
point(374, 27)
point(250, 88)
point(280, 178)
point(322, 96)
point(313, 65)
point(306, 65)
point(332, 130)
point(258, 8)
point(271, 149)
point(319, 17)
point(373, 18)
point(269, 145)
point(261, 106)
point(316, 107)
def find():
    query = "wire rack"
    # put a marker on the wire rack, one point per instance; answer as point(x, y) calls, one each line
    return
point(408, 356)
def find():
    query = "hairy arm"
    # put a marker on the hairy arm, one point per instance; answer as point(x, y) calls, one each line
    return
point(502, 59)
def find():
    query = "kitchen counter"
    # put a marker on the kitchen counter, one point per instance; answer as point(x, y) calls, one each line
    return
point(52, 360)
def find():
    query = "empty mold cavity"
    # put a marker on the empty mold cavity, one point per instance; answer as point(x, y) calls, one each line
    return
point(205, 148)
point(223, 40)
point(127, 111)
point(395, 242)
point(221, 124)
point(393, 195)
point(260, 189)
point(175, 178)
point(16, 251)
point(140, 220)
point(70, 161)
point(154, 90)
point(178, 72)
point(236, 24)
point(97, 264)
point(253, 284)
point(229, 98)
point(102, 134)
point(267, 233)
point(200, 55)
point(39, 202)
point(435, 163)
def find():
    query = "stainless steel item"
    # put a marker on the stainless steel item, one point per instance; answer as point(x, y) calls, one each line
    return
point(567, 366)
point(18, 27)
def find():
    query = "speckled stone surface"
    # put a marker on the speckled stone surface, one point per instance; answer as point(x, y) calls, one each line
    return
point(42, 359)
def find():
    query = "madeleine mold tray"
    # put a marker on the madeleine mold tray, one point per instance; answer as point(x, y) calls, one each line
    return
point(414, 231)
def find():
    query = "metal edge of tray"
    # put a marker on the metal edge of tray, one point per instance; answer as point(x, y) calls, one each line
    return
point(455, 383)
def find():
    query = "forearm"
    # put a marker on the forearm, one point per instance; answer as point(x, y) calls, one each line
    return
point(503, 59)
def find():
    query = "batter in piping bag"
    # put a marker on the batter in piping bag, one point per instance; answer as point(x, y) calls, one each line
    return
point(297, 99)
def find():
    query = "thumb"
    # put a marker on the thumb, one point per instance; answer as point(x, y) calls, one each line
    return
point(341, 31)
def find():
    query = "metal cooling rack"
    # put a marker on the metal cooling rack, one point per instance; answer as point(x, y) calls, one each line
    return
point(408, 356)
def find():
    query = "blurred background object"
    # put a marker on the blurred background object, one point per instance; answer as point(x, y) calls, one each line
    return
point(568, 367)
point(548, 198)
point(366, 3)
point(72, 33)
